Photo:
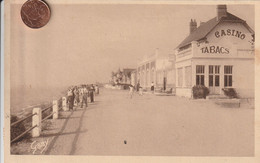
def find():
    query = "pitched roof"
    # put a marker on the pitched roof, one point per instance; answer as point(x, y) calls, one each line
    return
point(203, 30)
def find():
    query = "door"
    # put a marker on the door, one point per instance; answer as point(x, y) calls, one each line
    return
point(214, 79)
point(164, 83)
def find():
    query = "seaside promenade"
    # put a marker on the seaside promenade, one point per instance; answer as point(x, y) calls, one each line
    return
point(151, 125)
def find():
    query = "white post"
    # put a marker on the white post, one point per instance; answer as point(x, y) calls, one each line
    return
point(64, 104)
point(36, 120)
point(55, 109)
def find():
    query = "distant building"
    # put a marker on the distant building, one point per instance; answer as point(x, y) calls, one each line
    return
point(156, 69)
point(218, 54)
point(122, 77)
point(126, 79)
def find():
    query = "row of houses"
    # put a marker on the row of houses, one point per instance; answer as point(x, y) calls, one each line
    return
point(218, 54)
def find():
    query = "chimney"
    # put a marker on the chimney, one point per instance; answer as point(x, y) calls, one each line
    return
point(221, 11)
point(193, 25)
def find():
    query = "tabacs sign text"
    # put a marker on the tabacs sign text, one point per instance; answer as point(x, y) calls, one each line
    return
point(215, 50)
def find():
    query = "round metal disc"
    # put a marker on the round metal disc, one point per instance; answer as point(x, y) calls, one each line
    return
point(35, 13)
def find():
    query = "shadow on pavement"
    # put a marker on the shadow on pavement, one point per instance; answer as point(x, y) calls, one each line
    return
point(69, 118)
point(66, 133)
point(74, 143)
point(57, 135)
point(77, 132)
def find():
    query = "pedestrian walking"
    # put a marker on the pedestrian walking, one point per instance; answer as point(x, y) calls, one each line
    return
point(96, 89)
point(131, 91)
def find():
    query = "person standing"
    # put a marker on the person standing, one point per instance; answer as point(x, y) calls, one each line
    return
point(70, 99)
point(85, 97)
point(138, 87)
point(92, 89)
point(81, 97)
point(152, 87)
point(76, 94)
point(96, 89)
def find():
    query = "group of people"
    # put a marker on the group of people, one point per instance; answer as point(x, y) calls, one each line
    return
point(138, 89)
point(78, 95)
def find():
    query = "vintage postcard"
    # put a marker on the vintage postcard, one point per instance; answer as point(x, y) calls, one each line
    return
point(131, 81)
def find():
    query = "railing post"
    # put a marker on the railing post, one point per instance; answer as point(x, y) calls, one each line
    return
point(55, 109)
point(36, 120)
point(64, 104)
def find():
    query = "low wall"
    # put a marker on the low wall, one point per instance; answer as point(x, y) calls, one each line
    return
point(183, 92)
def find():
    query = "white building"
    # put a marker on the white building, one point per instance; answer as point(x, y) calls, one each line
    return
point(218, 54)
point(156, 69)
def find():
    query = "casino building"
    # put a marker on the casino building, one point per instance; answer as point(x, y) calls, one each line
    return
point(218, 54)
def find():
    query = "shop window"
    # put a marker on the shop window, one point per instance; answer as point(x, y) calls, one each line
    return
point(217, 69)
point(228, 76)
point(180, 77)
point(211, 80)
point(200, 70)
point(214, 75)
point(188, 76)
point(210, 69)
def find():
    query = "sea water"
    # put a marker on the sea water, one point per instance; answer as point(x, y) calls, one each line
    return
point(22, 99)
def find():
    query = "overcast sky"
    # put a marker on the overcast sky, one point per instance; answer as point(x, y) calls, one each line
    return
point(84, 43)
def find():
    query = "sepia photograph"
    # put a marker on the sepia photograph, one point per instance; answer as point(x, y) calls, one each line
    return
point(130, 79)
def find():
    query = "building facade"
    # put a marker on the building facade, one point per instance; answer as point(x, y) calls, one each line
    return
point(156, 69)
point(218, 54)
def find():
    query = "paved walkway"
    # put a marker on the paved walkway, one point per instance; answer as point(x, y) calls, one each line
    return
point(152, 125)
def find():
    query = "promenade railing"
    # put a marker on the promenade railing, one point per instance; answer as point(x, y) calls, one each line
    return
point(38, 119)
